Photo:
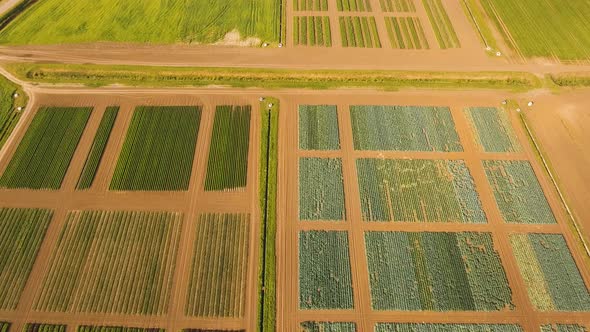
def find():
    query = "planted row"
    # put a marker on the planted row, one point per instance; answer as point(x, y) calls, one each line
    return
point(441, 23)
point(400, 6)
point(86, 328)
point(492, 128)
point(35, 327)
point(354, 5)
point(406, 33)
point(318, 127)
point(449, 327)
point(359, 32)
point(310, 5)
point(327, 327)
point(321, 189)
point(312, 31)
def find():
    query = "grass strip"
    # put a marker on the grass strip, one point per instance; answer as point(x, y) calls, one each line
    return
point(9, 104)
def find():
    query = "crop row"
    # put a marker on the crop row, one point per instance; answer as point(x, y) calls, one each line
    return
point(44, 154)
point(492, 128)
point(400, 6)
point(35, 327)
point(321, 189)
point(97, 149)
point(4, 327)
point(220, 264)
point(449, 327)
point(563, 328)
point(354, 5)
point(159, 149)
point(27, 228)
point(228, 154)
point(310, 5)
point(312, 31)
point(112, 262)
point(327, 327)
point(359, 32)
point(406, 33)
point(318, 127)
point(86, 328)
point(408, 190)
point(443, 28)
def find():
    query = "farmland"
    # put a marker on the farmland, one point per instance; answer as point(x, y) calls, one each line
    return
point(354, 5)
point(398, 6)
point(35, 327)
point(406, 33)
point(327, 327)
point(492, 129)
point(563, 328)
point(400, 327)
point(228, 155)
point(26, 227)
point(44, 154)
point(321, 192)
point(443, 27)
point(159, 149)
point(357, 31)
point(318, 127)
point(4, 327)
point(312, 31)
point(309, 5)
point(418, 191)
point(218, 279)
point(102, 260)
point(9, 114)
point(86, 328)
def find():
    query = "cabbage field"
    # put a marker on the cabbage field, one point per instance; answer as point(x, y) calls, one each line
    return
point(321, 189)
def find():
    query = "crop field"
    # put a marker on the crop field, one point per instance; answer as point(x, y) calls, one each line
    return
point(418, 191)
point(398, 6)
point(159, 149)
point(208, 330)
point(44, 154)
point(310, 5)
point(406, 33)
point(27, 228)
point(404, 128)
point(327, 327)
point(312, 31)
point(441, 23)
point(86, 328)
point(98, 146)
point(563, 328)
point(35, 327)
point(436, 272)
point(492, 129)
point(227, 168)
point(359, 31)
point(200, 21)
point(518, 192)
point(219, 268)
point(112, 262)
point(324, 270)
point(354, 5)
point(552, 277)
point(321, 189)
point(538, 30)
point(4, 327)
point(9, 113)
point(423, 327)
point(318, 127)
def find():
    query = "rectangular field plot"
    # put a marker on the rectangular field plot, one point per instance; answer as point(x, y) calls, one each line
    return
point(406, 33)
point(21, 234)
point(112, 262)
point(418, 191)
point(227, 168)
point(399, 6)
point(159, 149)
point(327, 327)
point(563, 328)
point(436, 272)
point(310, 5)
point(217, 286)
point(518, 192)
point(321, 189)
point(312, 31)
point(552, 277)
point(359, 32)
point(318, 127)
point(492, 129)
point(404, 128)
point(36, 327)
point(45, 152)
point(86, 328)
point(441, 23)
point(98, 146)
point(424, 327)
point(325, 280)
point(354, 5)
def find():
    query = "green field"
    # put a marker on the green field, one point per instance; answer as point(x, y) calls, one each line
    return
point(98, 146)
point(318, 127)
point(112, 262)
point(312, 31)
point(321, 189)
point(518, 192)
point(418, 191)
point(406, 33)
point(563, 328)
point(217, 286)
point(325, 280)
point(424, 327)
point(398, 6)
point(441, 23)
point(354, 5)
point(157, 22)
point(36, 327)
point(492, 129)
point(404, 128)
point(159, 149)
point(310, 5)
point(552, 277)
point(9, 114)
point(21, 234)
point(327, 327)
point(359, 31)
point(44, 154)
point(4, 327)
point(436, 272)
point(85, 328)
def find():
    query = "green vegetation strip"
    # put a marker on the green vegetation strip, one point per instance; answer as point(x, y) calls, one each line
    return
point(354, 5)
point(45, 152)
point(112, 262)
point(321, 189)
point(4, 327)
point(21, 234)
point(159, 149)
point(149, 76)
point(98, 146)
point(563, 328)
point(36, 327)
point(406, 33)
point(318, 127)
point(359, 32)
point(203, 330)
point(399, 6)
point(571, 79)
point(117, 329)
point(441, 23)
point(424, 327)
point(9, 104)
point(310, 5)
point(312, 31)
point(217, 286)
point(493, 129)
point(328, 327)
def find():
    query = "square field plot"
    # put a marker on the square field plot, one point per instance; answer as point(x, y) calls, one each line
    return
point(518, 192)
point(318, 127)
point(436, 272)
point(112, 262)
point(404, 128)
point(217, 286)
point(159, 149)
point(312, 31)
point(552, 277)
point(359, 31)
point(418, 191)
point(321, 189)
point(325, 280)
point(406, 33)
point(398, 6)
point(327, 327)
point(354, 5)
point(424, 327)
point(37, 327)
point(310, 5)
point(492, 129)
point(21, 234)
point(45, 152)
